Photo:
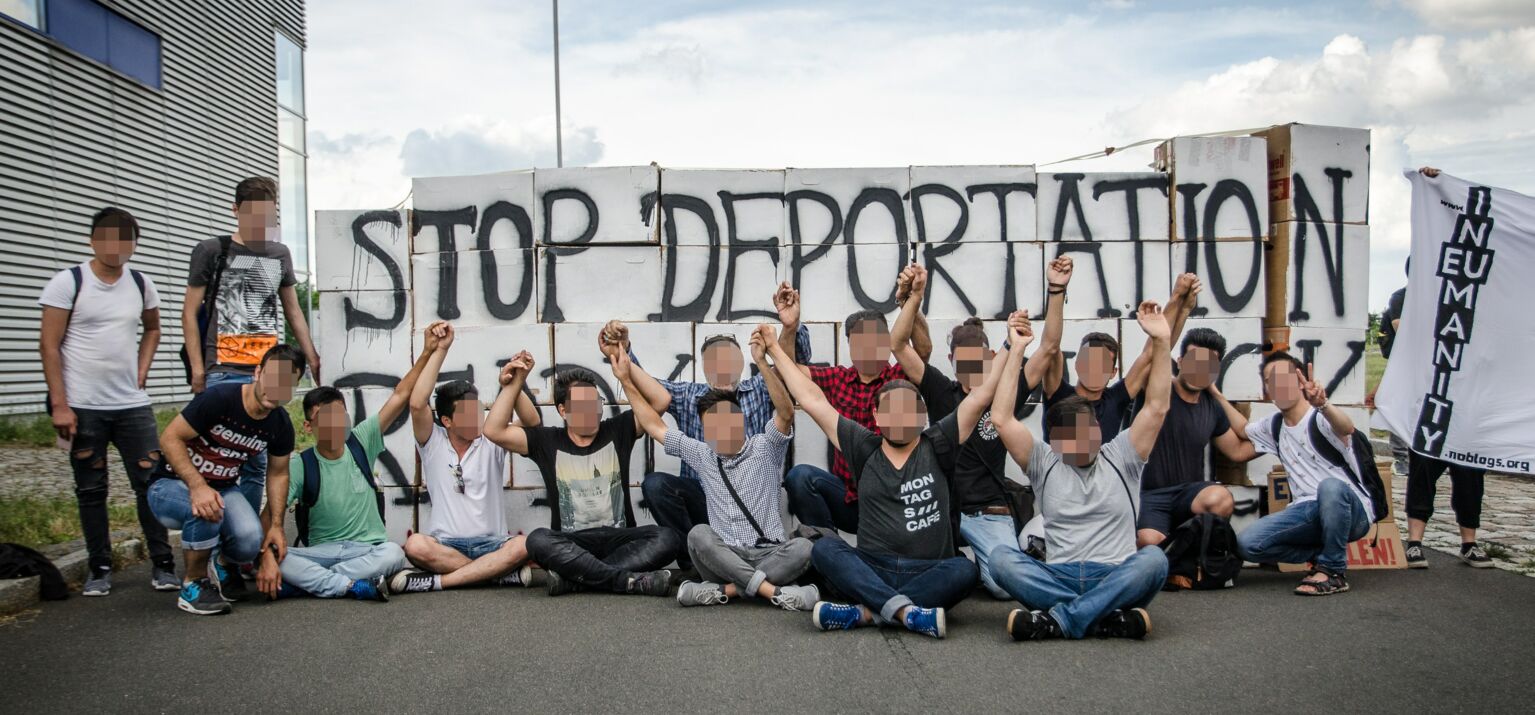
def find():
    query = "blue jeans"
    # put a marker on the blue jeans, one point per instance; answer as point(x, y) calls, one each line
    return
point(238, 534)
point(676, 503)
point(1079, 593)
point(986, 533)
point(1316, 531)
point(473, 547)
point(818, 498)
point(328, 570)
point(886, 584)
point(253, 472)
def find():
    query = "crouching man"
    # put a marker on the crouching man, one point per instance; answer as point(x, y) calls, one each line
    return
point(1094, 582)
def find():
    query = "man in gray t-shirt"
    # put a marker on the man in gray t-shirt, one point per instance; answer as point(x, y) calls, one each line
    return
point(1094, 581)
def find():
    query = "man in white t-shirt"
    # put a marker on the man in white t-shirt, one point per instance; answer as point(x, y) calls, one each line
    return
point(465, 540)
point(1328, 508)
point(91, 318)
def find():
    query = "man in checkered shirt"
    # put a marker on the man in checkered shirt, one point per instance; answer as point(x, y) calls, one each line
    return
point(742, 550)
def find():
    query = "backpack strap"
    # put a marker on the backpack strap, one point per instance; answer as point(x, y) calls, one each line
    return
point(1123, 483)
point(138, 280)
point(75, 272)
point(308, 495)
point(360, 456)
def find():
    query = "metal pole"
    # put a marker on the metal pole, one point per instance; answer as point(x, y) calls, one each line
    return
point(559, 130)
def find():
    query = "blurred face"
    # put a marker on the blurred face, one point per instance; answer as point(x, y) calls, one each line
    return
point(722, 364)
point(900, 417)
point(725, 428)
point(1281, 382)
point(467, 422)
point(329, 423)
point(258, 220)
point(1198, 368)
point(113, 246)
point(582, 410)
point(1095, 367)
point(274, 383)
point(1077, 442)
point(970, 365)
point(870, 347)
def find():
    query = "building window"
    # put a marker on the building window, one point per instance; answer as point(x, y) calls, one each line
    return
point(292, 159)
point(26, 12)
point(92, 30)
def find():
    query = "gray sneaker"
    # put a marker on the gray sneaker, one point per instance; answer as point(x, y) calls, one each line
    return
point(797, 598)
point(99, 584)
point(701, 593)
point(164, 579)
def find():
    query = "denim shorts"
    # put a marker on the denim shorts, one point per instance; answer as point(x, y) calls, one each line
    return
point(475, 546)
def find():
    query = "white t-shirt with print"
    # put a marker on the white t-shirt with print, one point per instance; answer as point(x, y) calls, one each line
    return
point(477, 511)
point(1305, 467)
point(101, 345)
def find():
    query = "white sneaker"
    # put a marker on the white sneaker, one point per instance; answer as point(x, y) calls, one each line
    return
point(701, 593)
point(797, 598)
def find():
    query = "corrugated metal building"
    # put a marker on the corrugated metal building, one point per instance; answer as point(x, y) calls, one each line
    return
point(156, 106)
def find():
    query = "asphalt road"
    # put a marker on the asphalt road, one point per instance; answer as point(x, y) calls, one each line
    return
point(1445, 639)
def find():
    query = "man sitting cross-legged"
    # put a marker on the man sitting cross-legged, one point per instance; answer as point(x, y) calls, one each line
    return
point(742, 550)
point(592, 541)
point(1095, 582)
point(345, 551)
point(906, 569)
point(466, 540)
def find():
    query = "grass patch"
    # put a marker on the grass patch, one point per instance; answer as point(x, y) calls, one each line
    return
point(1501, 553)
point(1374, 367)
point(36, 522)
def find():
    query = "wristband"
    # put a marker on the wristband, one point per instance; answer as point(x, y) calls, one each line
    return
point(1062, 286)
point(1053, 291)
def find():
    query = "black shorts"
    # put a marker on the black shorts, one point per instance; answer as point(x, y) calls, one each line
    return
point(1166, 508)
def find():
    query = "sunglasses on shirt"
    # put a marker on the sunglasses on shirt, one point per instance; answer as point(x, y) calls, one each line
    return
point(458, 477)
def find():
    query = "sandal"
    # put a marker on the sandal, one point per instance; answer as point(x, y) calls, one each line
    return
point(1334, 583)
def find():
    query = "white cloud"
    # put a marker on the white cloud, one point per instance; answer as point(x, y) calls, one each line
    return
point(1474, 14)
point(476, 145)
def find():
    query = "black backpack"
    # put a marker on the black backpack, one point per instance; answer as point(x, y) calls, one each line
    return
point(78, 274)
point(1361, 473)
point(1204, 551)
point(206, 308)
point(311, 493)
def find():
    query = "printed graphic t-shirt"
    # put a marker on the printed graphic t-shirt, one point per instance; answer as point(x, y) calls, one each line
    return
point(346, 509)
point(101, 345)
point(982, 460)
point(903, 512)
point(247, 317)
point(587, 486)
point(227, 435)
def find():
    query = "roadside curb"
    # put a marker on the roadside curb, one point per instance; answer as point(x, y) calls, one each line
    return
point(21, 594)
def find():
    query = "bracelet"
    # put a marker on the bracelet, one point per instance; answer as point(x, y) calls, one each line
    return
point(1053, 291)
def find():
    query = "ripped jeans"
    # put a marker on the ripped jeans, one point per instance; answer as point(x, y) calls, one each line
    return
point(133, 432)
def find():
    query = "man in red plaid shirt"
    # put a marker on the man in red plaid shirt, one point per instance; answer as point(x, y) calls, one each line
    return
point(830, 499)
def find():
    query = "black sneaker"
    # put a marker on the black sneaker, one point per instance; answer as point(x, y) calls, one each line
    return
point(1416, 559)
point(1032, 626)
point(651, 583)
point(1475, 556)
point(557, 585)
point(1134, 623)
point(230, 584)
point(412, 581)
point(202, 598)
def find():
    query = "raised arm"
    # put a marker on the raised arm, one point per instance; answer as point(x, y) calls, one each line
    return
point(1177, 319)
point(1148, 422)
point(1179, 304)
point(786, 301)
point(979, 400)
point(400, 398)
point(421, 393)
point(783, 404)
point(1047, 363)
point(498, 423)
point(645, 416)
point(1341, 424)
point(298, 322)
point(913, 280)
point(614, 338)
point(1015, 435)
point(810, 397)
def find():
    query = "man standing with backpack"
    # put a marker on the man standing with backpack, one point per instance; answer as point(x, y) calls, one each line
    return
point(339, 509)
point(1331, 504)
point(96, 397)
point(231, 315)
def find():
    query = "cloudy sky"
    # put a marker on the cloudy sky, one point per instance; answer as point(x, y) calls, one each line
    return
point(397, 90)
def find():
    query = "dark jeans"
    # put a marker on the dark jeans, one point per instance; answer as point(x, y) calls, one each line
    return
point(817, 498)
point(1465, 489)
point(677, 504)
point(604, 557)
point(132, 431)
point(886, 584)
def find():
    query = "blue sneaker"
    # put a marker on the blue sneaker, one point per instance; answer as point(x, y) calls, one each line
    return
point(829, 616)
point(201, 598)
point(927, 621)
point(372, 589)
point(229, 584)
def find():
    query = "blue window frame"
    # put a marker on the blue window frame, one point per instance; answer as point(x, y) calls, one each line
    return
point(96, 32)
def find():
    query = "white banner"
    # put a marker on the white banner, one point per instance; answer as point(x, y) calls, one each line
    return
point(1458, 385)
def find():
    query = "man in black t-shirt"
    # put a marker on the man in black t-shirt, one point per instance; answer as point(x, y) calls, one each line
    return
point(986, 521)
point(205, 447)
point(592, 541)
point(1173, 487)
point(905, 569)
